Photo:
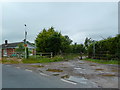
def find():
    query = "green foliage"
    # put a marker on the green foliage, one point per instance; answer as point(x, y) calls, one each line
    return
point(20, 48)
point(87, 42)
point(52, 41)
point(106, 49)
point(77, 48)
point(103, 61)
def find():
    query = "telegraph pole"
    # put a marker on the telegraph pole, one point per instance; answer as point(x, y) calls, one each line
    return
point(25, 44)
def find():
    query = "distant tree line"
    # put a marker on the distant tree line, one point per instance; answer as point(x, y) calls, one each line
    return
point(53, 41)
point(49, 40)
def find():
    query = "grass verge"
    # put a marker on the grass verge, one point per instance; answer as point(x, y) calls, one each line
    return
point(40, 59)
point(103, 61)
point(10, 61)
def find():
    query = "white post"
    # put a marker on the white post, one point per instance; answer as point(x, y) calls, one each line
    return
point(51, 54)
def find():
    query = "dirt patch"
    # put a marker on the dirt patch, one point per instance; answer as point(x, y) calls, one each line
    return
point(99, 69)
point(54, 70)
point(55, 74)
point(93, 65)
point(81, 63)
point(114, 70)
point(65, 76)
point(108, 75)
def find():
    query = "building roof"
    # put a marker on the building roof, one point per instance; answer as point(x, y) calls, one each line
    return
point(14, 45)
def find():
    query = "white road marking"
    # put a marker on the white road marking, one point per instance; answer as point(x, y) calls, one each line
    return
point(68, 81)
point(44, 74)
point(28, 70)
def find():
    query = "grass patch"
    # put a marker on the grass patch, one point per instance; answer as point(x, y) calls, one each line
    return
point(40, 59)
point(70, 56)
point(54, 70)
point(103, 61)
point(99, 69)
point(81, 63)
point(10, 61)
point(34, 59)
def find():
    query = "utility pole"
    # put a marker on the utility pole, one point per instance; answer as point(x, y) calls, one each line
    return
point(25, 44)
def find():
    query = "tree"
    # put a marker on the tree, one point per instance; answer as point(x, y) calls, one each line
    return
point(52, 41)
point(65, 44)
point(108, 48)
point(87, 42)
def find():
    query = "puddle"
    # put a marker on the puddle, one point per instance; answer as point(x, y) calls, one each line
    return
point(78, 79)
point(79, 68)
point(81, 62)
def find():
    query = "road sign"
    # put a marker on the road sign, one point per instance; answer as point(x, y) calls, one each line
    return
point(25, 45)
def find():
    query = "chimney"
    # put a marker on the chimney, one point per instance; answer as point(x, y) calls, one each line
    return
point(6, 42)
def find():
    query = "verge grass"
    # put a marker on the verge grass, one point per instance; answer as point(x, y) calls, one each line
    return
point(103, 61)
point(43, 59)
point(10, 61)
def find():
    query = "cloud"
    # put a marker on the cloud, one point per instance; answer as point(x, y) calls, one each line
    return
point(77, 20)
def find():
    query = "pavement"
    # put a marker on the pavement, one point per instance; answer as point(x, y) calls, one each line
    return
point(17, 77)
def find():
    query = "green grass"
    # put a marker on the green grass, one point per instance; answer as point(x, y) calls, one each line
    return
point(70, 56)
point(40, 59)
point(103, 61)
point(10, 61)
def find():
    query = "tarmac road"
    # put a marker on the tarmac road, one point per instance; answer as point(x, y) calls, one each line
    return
point(13, 77)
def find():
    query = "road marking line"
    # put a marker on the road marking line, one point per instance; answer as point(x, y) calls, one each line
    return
point(44, 74)
point(28, 70)
point(68, 81)
point(18, 67)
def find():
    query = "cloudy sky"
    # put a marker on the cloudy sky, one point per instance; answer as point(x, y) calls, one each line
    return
point(77, 20)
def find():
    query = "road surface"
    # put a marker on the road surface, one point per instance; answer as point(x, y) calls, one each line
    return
point(14, 77)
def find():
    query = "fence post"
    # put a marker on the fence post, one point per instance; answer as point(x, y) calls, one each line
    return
point(51, 55)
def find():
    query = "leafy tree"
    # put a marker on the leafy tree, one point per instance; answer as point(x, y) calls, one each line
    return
point(52, 41)
point(65, 44)
point(87, 42)
point(108, 48)
point(77, 48)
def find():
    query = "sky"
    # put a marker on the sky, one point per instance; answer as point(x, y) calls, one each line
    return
point(78, 20)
